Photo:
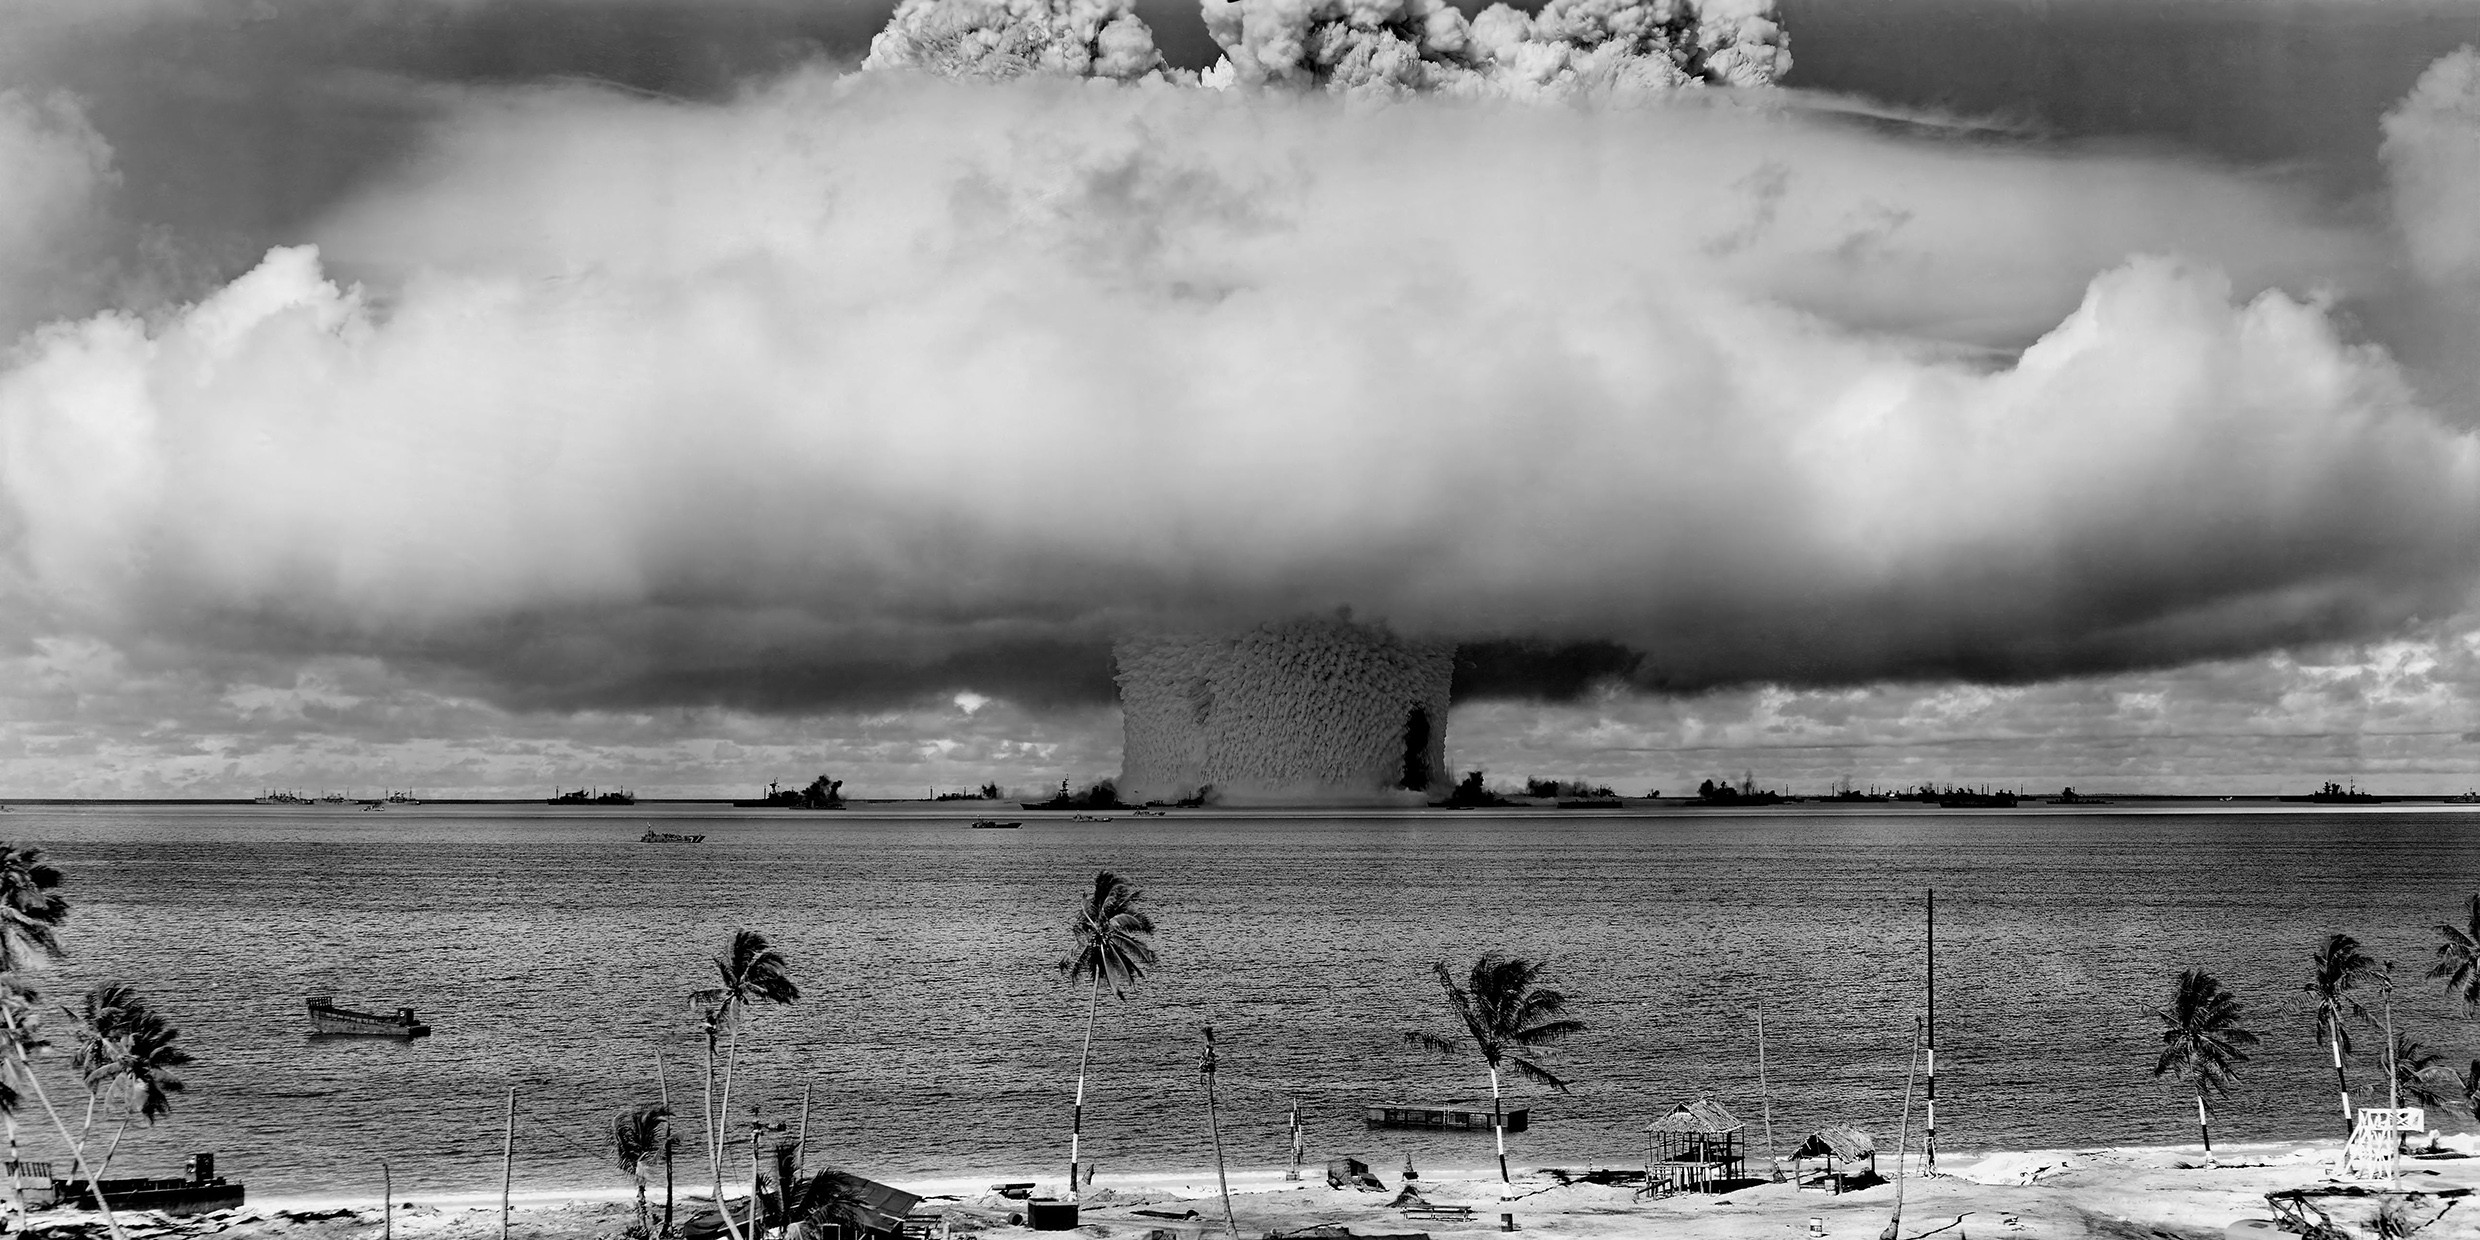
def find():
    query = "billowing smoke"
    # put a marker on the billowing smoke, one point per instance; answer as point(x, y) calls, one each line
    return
point(1009, 38)
point(1568, 48)
point(856, 387)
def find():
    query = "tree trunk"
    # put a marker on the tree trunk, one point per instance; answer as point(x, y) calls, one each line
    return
point(723, 1114)
point(1076, 1119)
point(714, 1135)
point(2333, 1026)
point(77, 1154)
point(668, 1144)
point(17, 1183)
point(114, 1148)
point(2204, 1124)
point(1214, 1125)
point(1498, 1128)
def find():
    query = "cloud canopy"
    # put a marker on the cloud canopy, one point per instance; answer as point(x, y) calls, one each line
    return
point(855, 388)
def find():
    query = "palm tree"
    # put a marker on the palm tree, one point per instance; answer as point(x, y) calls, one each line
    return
point(1108, 945)
point(752, 972)
point(2337, 967)
point(30, 910)
point(2458, 956)
point(637, 1135)
point(1506, 1018)
point(2200, 1041)
point(125, 1056)
point(30, 915)
point(2421, 1075)
point(21, 1035)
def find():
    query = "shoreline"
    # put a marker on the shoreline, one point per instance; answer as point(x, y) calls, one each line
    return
point(2129, 1192)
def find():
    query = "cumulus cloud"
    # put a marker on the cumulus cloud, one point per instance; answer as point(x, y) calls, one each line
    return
point(59, 172)
point(856, 388)
point(2432, 159)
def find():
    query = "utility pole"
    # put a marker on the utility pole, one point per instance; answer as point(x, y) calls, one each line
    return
point(507, 1161)
point(1928, 1142)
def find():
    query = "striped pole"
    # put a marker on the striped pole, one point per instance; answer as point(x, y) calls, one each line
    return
point(1928, 1144)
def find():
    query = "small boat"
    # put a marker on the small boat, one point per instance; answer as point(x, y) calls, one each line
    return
point(666, 837)
point(1441, 1115)
point(326, 1018)
point(1090, 818)
point(985, 824)
point(1151, 813)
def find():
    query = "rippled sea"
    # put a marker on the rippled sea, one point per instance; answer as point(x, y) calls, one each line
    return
point(550, 951)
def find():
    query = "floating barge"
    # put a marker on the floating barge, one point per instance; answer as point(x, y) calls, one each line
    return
point(1451, 1115)
point(987, 825)
point(666, 837)
point(202, 1191)
point(328, 1019)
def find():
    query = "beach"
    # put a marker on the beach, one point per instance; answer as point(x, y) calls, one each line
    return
point(2131, 1192)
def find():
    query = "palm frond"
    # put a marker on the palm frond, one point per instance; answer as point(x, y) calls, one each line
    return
point(753, 972)
point(1535, 1072)
point(1455, 1048)
point(1108, 936)
point(31, 912)
point(637, 1134)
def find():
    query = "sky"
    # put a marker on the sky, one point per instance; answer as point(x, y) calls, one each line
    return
point(479, 397)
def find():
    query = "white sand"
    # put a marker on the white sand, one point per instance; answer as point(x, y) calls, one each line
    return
point(2126, 1194)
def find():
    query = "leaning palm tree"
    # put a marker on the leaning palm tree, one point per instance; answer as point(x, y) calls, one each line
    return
point(637, 1136)
point(2335, 968)
point(1108, 946)
point(31, 912)
point(2458, 956)
point(105, 1012)
point(2201, 1039)
point(129, 1064)
point(30, 909)
point(21, 1035)
point(752, 972)
point(1506, 1018)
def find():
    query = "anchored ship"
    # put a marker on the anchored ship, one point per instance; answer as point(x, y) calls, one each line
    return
point(327, 1018)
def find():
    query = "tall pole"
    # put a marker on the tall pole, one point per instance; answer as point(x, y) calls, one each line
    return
point(507, 1161)
point(387, 1203)
point(1928, 1140)
point(800, 1143)
point(1765, 1095)
point(1214, 1124)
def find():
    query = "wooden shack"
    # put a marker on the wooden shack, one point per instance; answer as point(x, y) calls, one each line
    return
point(1839, 1153)
point(1696, 1148)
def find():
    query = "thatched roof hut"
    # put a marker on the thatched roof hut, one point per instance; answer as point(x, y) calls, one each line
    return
point(1695, 1148)
point(1849, 1155)
point(1841, 1143)
point(1703, 1116)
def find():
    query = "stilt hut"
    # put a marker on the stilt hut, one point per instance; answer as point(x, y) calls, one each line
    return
point(1839, 1153)
point(1695, 1148)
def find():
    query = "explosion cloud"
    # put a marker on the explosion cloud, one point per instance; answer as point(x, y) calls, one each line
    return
point(853, 388)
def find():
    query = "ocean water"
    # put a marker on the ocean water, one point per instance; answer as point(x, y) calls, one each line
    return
point(550, 951)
